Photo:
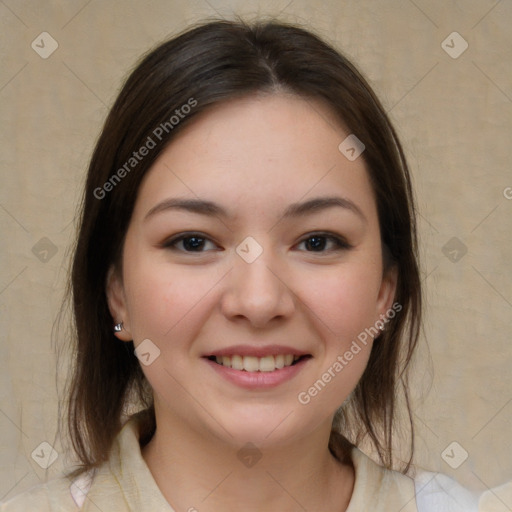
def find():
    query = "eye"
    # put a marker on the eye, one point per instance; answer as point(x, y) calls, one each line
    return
point(189, 242)
point(324, 242)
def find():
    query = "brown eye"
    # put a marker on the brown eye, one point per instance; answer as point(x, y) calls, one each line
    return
point(192, 242)
point(319, 242)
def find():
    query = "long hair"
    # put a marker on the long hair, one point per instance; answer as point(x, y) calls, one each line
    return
point(211, 63)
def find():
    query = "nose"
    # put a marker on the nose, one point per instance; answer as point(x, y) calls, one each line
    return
point(257, 292)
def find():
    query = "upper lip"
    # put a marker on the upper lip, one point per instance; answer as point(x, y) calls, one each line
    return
point(259, 351)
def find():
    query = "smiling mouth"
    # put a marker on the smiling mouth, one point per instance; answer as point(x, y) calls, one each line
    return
point(258, 364)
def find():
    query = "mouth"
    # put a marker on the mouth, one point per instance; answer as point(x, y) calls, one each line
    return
point(253, 364)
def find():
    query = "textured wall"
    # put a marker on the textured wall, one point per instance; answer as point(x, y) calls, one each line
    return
point(452, 106)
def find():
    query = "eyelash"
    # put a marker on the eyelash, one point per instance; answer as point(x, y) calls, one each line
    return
point(339, 242)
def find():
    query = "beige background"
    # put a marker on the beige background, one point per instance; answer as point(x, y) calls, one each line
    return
point(453, 115)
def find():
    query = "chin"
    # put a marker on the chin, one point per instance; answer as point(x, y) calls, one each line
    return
point(265, 427)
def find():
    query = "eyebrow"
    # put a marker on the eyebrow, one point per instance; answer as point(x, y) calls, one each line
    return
point(209, 208)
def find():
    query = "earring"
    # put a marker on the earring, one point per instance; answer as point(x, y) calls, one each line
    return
point(118, 327)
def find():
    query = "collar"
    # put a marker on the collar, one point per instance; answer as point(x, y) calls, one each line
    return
point(375, 488)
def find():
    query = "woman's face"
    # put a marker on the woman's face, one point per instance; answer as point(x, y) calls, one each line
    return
point(254, 243)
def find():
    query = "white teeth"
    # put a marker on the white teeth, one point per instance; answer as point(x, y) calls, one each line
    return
point(267, 364)
point(237, 362)
point(251, 364)
point(254, 364)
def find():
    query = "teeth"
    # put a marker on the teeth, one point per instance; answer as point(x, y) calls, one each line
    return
point(267, 364)
point(237, 362)
point(255, 364)
point(251, 364)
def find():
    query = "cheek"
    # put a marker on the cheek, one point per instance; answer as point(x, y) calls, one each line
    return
point(343, 300)
point(167, 307)
point(163, 300)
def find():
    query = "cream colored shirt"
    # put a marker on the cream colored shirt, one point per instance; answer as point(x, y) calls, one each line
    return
point(125, 483)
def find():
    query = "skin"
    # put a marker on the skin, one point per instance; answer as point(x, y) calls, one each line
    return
point(254, 157)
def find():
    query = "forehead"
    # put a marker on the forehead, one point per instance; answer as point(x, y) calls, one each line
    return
point(257, 152)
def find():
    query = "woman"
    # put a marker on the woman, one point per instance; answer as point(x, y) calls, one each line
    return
point(246, 277)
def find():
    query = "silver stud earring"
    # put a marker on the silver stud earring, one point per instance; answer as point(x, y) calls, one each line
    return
point(118, 327)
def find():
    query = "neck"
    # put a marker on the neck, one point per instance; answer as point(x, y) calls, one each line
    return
point(197, 472)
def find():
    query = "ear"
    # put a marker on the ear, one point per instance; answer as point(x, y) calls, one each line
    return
point(117, 303)
point(387, 291)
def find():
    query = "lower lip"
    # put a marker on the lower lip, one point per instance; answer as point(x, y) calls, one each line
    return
point(258, 380)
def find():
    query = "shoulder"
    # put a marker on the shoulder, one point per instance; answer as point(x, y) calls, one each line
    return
point(384, 489)
point(497, 499)
point(58, 495)
point(121, 483)
point(66, 494)
point(379, 489)
point(436, 492)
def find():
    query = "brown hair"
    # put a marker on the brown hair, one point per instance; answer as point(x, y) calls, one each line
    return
point(212, 63)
